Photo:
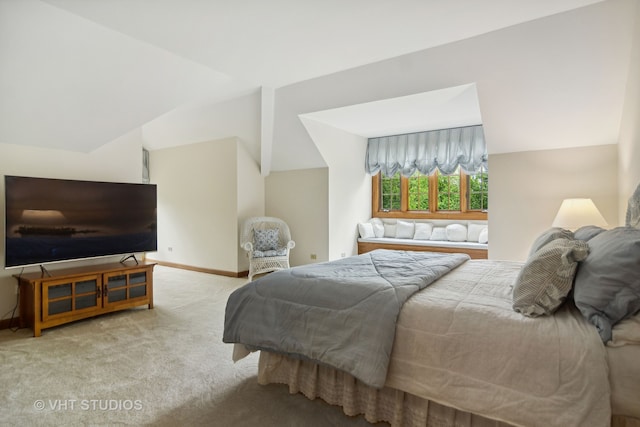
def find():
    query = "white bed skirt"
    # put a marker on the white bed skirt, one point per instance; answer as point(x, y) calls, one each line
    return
point(398, 408)
point(335, 387)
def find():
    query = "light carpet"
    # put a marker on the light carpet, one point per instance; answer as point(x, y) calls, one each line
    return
point(165, 366)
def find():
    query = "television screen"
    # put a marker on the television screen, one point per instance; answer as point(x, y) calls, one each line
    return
point(49, 220)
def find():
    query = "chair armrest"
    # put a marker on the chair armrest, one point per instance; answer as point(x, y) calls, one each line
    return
point(247, 246)
point(291, 244)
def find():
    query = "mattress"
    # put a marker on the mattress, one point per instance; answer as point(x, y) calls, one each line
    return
point(460, 344)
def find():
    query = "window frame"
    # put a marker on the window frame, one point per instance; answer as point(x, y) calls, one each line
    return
point(433, 213)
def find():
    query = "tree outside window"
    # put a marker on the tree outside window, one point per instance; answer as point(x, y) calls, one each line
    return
point(390, 193)
point(479, 191)
point(418, 192)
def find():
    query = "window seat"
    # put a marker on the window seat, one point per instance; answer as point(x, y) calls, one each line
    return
point(450, 236)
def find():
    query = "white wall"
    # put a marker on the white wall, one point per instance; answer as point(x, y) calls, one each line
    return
point(197, 204)
point(250, 192)
point(629, 145)
point(118, 161)
point(526, 190)
point(349, 186)
point(202, 121)
point(301, 198)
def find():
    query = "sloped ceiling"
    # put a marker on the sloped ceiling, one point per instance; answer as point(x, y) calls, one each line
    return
point(444, 108)
point(77, 74)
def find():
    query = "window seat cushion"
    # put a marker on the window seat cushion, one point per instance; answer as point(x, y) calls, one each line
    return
point(434, 243)
point(436, 235)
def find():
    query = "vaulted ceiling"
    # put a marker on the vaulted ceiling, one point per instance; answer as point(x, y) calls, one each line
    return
point(77, 74)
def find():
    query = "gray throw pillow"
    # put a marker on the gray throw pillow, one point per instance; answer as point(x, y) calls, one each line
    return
point(546, 278)
point(607, 285)
point(548, 236)
point(587, 232)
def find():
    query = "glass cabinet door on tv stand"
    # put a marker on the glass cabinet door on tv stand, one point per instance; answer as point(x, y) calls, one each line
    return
point(64, 297)
point(123, 287)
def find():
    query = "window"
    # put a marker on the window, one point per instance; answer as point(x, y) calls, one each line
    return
point(449, 192)
point(390, 192)
point(479, 191)
point(438, 196)
point(418, 192)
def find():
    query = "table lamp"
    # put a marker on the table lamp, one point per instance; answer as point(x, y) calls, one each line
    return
point(575, 213)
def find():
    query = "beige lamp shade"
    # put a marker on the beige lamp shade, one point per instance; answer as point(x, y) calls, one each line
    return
point(575, 213)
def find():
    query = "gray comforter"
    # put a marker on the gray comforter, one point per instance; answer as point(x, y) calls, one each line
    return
point(341, 313)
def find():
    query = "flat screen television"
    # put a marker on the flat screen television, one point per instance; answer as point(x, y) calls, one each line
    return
point(49, 220)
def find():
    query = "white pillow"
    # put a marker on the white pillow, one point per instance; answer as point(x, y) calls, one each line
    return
point(378, 228)
point(484, 236)
point(366, 230)
point(389, 230)
point(423, 231)
point(474, 232)
point(404, 230)
point(438, 233)
point(456, 233)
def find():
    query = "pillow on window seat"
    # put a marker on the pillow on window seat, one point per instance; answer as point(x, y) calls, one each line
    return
point(404, 230)
point(366, 230)
point(266, 240)
point(456, 232)
point(378, 227)
point(422, 231)
point(484, 236)
point(389, 230)
point(438, 233)
point(474, 230)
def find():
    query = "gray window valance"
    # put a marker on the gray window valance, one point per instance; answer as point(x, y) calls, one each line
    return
point(443, 149)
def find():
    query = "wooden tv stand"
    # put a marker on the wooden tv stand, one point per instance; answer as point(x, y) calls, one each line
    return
point(77, 293)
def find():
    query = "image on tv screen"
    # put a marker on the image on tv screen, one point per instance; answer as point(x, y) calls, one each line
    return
point(49, 220)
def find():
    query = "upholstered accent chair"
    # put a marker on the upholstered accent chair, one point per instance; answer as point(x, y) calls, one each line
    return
point(267, 241)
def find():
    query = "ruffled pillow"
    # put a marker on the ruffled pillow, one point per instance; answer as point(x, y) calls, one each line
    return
point(546, 278)
point(549, 235)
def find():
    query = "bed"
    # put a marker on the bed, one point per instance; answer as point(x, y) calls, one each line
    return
point(464, 349)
